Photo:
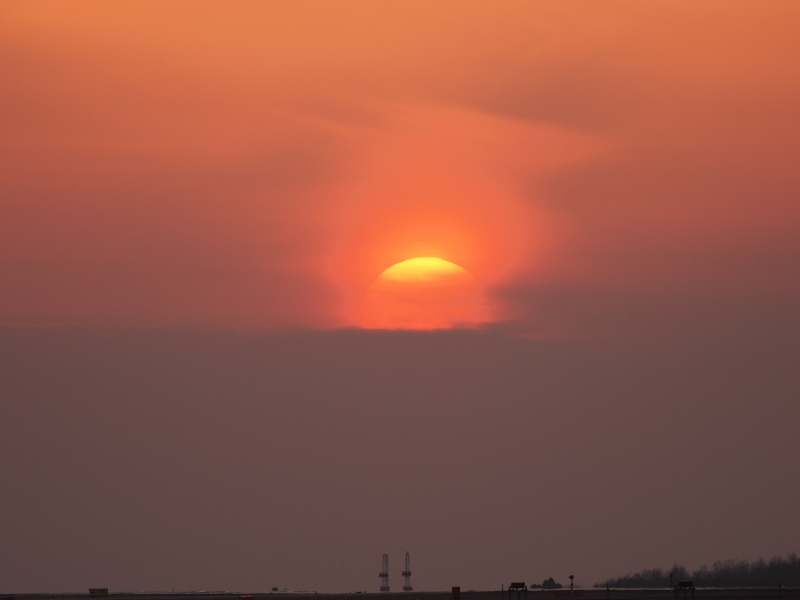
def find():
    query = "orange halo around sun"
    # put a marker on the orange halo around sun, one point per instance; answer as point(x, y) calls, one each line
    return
point(424, 293)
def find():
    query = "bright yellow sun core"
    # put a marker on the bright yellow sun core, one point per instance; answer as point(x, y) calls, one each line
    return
point(424, 293)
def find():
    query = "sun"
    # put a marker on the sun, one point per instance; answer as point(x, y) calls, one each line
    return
point(424, 293)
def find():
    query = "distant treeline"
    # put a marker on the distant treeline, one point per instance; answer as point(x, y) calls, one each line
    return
point(726, 573)
point(547, 584)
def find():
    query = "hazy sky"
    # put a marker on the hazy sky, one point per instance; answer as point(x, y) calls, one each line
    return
point(196, 196)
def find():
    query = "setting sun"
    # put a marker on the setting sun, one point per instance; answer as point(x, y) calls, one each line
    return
point(424, 293)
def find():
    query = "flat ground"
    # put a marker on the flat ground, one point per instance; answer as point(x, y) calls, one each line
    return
point(589, 594)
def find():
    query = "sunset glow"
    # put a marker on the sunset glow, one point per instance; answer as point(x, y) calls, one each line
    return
point(287, 285)
point(424, 293)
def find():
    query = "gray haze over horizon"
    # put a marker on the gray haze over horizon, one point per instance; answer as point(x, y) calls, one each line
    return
point(152, 459)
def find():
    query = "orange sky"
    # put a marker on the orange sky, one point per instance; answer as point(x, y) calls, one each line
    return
point(202, 194)
point(259, 165)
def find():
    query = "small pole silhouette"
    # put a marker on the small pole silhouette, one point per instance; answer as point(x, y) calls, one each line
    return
point(571, 577)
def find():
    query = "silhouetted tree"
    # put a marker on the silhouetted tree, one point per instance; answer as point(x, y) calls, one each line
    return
point(723, 573)
point(550, 584)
